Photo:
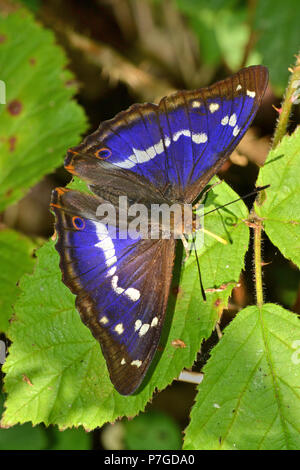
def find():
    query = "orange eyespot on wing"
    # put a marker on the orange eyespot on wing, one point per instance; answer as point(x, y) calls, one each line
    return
point(103, 153)
point(78, 223)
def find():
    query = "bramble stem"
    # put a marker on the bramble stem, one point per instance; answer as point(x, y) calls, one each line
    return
point(291, 96)
point(258, 263)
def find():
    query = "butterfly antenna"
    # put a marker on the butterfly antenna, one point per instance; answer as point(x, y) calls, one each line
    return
point(198, 267)
point(209, 212)
point(257, 190)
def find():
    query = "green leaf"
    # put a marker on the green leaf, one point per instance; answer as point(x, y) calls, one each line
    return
point(16, 259)
point(249, 398)
point(277, 29)
point(63, 362)
point(281, 207)
point(39, 120)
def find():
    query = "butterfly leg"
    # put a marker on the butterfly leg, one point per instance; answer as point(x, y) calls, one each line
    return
point(196, 206)
point(186, 247)
point(218, 330)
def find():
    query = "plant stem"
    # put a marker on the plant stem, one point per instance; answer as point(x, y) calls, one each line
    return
point(289, 99)
point(292, 96)
point(258, 263)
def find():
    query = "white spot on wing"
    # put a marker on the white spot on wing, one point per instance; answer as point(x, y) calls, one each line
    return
point(196, 104)
point(239, 87)
point(126, 164)
point(232, 120)
point(137, 325)
point(225, 120)
point(236, 130)
point(199, 138)
point(154, 321)
point(185, 132)
point(123, 362)
point(111, 271)
point(104, 320)
point(251, 93)
point(114, 283)
point(144, 328)
point(213, 107)
point(119, 328)
point(136, 363)
point(132, 293)
point(167, 141)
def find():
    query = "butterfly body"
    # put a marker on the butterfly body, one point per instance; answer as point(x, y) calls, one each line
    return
point(154, 156)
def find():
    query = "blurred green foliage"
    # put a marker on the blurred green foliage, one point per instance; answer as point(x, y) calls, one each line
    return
point(224, 27)
point(277, 30)
point(152, 431)
point(222, 32)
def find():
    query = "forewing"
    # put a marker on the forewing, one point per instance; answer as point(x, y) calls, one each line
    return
point(176, 146)
point(122, 285)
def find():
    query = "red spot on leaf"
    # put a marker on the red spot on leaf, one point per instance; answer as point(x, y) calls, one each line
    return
point(12, 143)
point(217, 302)
point(27, 380)
point(2, 38)
point(32, 61)
point(178, 343)
point(14, 107)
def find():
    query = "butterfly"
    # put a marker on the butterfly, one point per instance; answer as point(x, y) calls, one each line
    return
point(150, 154)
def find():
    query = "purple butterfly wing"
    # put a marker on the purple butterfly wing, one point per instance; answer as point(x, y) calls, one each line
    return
point(178, 145)
point(111, 278)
